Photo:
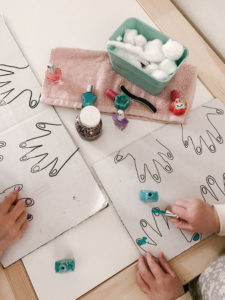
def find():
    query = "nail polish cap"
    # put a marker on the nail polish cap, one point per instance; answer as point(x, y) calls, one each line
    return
point(174, 94)
point(90, 116)
point(111, 94)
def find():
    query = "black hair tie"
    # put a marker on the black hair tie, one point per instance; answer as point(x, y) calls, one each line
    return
point(139, 99)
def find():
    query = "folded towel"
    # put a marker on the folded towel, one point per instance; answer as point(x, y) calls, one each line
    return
point(81, 68)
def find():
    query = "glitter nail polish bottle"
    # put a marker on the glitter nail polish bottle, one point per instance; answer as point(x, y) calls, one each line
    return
point(89, 123)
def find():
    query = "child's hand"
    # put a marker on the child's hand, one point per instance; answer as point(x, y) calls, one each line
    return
point(13, 221)
point(158, 280)
point(196, 216)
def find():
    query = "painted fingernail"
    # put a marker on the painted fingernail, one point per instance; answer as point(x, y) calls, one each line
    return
point(29, 217)
point(14, 202)
point(29, 202)
point(17, 188)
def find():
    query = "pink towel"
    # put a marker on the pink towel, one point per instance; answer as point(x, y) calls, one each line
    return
point(81, 68)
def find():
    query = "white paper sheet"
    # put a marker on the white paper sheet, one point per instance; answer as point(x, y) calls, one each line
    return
point(38, 154)
point(176, 161)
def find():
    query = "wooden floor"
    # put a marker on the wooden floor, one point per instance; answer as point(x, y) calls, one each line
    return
point(14, 281)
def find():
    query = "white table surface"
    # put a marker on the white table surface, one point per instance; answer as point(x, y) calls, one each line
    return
point(101, 245)
point(210, 22)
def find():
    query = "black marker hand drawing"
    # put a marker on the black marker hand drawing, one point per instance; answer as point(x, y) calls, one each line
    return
point(38, 149)
point(28, 201)
point(153, 166)
point(155, 228)
point(208, 135)
point(10, 78)
point(2, 145)
point(212, 191)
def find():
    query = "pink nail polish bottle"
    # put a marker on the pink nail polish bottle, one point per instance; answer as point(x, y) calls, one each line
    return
point(52, 73)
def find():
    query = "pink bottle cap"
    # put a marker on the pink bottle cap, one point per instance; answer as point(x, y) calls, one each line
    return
point(111, 94)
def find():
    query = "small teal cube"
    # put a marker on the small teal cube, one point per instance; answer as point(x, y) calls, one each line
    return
point(65, 265)
point(148, 196)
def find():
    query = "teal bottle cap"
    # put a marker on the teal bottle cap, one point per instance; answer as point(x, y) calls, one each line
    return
point(122, 101)
point(88, 98)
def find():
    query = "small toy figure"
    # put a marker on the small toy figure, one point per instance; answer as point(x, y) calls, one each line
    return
point(178, 106)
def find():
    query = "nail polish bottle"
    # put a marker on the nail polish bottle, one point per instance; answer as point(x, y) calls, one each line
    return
point(121, 101)
point(178, 105)
point(52, 73)
point(88, 98)
point(89, 123)
point(120, 120)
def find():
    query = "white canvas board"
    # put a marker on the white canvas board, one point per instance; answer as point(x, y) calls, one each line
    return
point(19, 88)
point(38, 155)
point(176, 161)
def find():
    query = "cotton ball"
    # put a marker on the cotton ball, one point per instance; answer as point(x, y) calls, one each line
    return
point(153, 51)
point(172, 49)
point(157, 43)
point(129, 36)
point(168, 66)
point(133, 60)
point(159, 74)
point(128, 57)
point(151, 67)
point(119, 38)
point(140, 40)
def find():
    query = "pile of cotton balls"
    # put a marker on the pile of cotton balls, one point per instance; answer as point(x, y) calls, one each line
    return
point(153, 57)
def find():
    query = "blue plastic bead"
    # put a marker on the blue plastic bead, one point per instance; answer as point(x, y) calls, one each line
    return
point(148, 196)
point(65, 265)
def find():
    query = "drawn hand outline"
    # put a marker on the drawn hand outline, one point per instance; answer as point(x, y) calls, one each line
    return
point(39, 150)
point(160, 159)
point(210, 136)
point(212, 192)
point(9, 75)
point(153, 232)
point(2, 145)
point(28, 201)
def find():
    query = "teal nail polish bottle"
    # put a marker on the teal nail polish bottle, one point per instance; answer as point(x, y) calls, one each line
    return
point(121, 101)
point(88, 98)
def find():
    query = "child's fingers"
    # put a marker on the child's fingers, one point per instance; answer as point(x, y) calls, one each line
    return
point(181, 224)
point(183, 203)
point(23, 228)
point(21, 231)
point(145, 273)
point(179, 210)
point(17, 210)
point(154, 267)
point(28, 201)
point(164, 263)
point(174, 221)
point(184, 226)
point(8, 201)
point(21, 219)
point(141, 283)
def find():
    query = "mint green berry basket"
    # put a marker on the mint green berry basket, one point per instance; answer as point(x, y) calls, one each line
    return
point(133, 73)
